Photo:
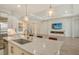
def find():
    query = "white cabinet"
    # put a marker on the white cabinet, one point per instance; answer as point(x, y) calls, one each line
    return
point(15, 50)
point(68, 27)
point(75, 27)
point(71, 26)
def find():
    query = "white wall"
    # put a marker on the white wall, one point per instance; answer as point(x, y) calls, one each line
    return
point(43, 27)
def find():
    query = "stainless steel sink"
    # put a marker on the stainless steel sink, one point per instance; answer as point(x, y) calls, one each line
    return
point(22, 41)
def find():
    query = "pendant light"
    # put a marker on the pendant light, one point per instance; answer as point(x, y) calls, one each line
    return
point(26, 16)
point(50, 11)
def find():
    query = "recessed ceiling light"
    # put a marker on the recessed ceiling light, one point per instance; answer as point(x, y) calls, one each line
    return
point(18, 5)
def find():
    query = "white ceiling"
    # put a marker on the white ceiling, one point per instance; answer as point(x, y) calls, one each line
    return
point(34, 10)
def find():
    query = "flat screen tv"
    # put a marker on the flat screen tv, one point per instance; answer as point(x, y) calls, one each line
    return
point(57, 26)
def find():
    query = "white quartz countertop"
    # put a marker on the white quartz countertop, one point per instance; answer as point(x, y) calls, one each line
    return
point(39, 46)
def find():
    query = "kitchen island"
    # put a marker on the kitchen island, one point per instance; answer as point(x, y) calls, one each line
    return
point(38, 46)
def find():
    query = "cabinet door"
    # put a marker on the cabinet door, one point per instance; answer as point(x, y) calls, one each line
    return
point(75, 27)
point(14, 50)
